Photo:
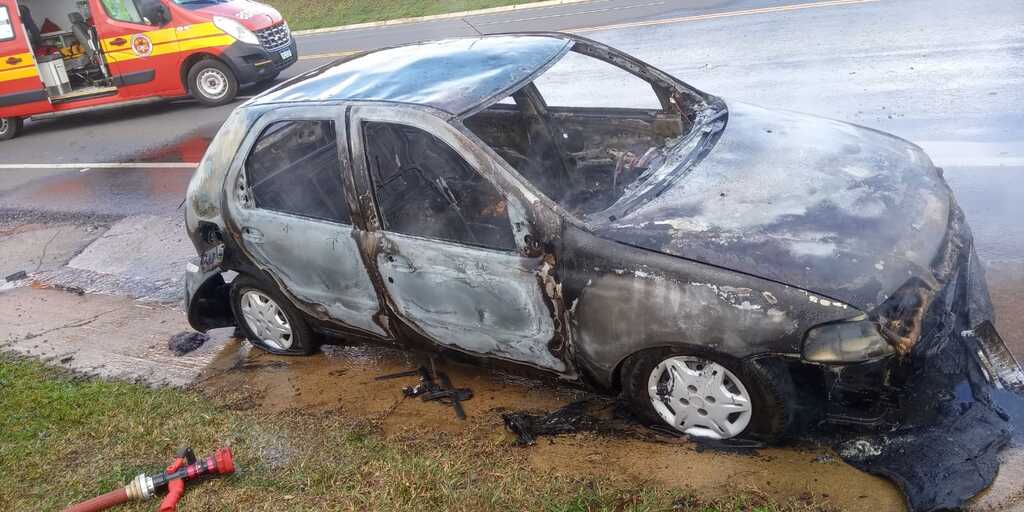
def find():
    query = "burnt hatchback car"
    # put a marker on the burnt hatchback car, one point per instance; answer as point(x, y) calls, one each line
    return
point(547, 201)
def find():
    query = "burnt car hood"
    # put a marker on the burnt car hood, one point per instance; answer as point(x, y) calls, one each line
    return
point(840, 210)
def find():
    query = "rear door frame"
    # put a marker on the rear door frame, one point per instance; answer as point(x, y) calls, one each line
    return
point(345, 236)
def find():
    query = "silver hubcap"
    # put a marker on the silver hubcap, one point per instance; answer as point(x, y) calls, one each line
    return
point(4, 125)
point(213, 83)
point(266, 320)
point(699, 397)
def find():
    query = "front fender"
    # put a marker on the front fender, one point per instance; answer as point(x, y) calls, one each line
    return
point(623, 300)
point(207, 299)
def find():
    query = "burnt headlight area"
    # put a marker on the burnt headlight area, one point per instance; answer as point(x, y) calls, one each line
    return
point(850, 341)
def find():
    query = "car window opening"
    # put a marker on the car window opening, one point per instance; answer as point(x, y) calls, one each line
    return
point(424, 188)
point(584, 151)
point(294, 168)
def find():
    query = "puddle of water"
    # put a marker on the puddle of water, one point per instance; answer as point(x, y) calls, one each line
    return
point(188, 149)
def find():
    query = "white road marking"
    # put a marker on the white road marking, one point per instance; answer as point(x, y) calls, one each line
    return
point(333, 55)
point(82, 167)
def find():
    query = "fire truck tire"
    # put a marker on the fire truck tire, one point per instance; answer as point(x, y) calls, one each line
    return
point(212, 83)
point(10, 127)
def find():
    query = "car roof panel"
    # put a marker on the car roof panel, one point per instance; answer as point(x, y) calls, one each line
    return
point(453, 75)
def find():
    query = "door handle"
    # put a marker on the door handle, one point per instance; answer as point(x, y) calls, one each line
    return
point(13, 60)
point(252, 235)
point(119, 42)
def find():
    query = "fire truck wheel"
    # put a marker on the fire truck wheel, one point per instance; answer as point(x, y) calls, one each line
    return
point(212, 83)
point(10, 127)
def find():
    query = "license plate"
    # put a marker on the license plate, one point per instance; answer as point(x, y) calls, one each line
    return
point(285, 55)
point(997, 359)
point(212, 258)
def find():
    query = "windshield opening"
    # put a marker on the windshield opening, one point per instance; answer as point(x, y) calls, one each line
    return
point(587, 133)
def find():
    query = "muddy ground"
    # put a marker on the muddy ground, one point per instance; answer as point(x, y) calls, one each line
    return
point(342, 380)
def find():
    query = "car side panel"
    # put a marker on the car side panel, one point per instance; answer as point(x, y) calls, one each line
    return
point(624, 299)
point(318, 263)
point(478, 300)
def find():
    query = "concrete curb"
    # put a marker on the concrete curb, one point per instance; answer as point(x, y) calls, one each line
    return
point(433, 17)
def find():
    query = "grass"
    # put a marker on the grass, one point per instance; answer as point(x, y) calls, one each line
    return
point(306, 14)
point(66, 439)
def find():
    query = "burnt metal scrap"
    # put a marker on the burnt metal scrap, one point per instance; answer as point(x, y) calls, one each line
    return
point(185, 342)
point(731, 271)
point(570, 419)
point(430, 389)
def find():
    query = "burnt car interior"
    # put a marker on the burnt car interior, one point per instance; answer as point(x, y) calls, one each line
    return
point(289, 149)
point(583, 153)
point(424, 188)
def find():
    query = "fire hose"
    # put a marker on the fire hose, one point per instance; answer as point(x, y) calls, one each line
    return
point(184, 468)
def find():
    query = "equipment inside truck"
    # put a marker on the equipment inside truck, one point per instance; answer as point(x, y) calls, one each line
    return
point(64, 43)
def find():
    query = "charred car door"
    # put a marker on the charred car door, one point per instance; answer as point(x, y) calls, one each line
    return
point(289, 204)
point(450, 247)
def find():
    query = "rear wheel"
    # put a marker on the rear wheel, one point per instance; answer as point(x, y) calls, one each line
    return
point(212, 83)
point(268, 319)
point(10, 127)
point(705, 396)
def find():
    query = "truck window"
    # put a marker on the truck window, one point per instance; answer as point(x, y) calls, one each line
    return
point(6, 27)
point(294, 168)
point(123, 10)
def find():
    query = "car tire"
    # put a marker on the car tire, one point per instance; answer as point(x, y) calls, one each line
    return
point(269, 320)
point(10, 127)
point(769, 412)
point(212, 83)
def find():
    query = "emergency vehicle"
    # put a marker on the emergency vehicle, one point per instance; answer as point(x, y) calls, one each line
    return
point(77, 55)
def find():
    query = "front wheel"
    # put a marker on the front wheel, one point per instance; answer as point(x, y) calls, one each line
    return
point(10, 127)
point(212, 83)
point(268, 319)
point(706, 396)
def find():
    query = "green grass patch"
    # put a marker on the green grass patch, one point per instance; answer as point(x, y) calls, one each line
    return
point(306, 14)
point(66, 439)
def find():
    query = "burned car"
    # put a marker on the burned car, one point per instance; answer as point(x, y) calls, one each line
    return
point(546, 202)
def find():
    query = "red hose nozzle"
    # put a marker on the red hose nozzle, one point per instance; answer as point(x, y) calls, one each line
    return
point(225, 464)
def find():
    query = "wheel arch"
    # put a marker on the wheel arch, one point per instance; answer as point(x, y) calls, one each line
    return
point(209, 307)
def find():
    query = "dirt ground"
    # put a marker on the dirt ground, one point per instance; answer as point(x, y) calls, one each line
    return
point(342, 380)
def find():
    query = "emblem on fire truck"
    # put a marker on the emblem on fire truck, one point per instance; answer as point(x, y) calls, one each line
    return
point(142, 45)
